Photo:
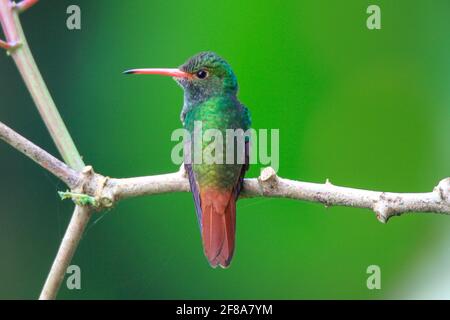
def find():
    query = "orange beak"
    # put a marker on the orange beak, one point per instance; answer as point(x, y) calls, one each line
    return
point(177, 73)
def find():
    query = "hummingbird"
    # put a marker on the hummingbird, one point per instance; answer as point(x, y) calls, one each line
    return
point(210, 96)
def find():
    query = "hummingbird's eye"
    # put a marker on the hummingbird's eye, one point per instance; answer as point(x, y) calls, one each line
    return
point(201, 74)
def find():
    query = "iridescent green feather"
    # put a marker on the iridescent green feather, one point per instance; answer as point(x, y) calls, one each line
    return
point(213, 101)
point(219, 113)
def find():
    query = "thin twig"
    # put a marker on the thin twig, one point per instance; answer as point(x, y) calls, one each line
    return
point(65, 173)
point(106, 191)
point(66, 250)
point(25, 5)
point(29, 71)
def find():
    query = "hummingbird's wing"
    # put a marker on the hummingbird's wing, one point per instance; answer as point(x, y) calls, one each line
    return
point(244, 169)
point(195, 193)
point(216, 216)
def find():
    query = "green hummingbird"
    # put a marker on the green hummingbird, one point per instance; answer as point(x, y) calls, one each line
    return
point(210, 97)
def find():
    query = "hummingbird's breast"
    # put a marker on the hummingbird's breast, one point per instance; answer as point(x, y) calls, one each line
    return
point(218, 114)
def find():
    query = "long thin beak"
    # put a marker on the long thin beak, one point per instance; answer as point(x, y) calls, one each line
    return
point(177, 73)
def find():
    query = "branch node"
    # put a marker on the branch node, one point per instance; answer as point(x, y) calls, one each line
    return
point(10, 47)
point(443, 189)
point(86, 175)
point(105, 199)
point(268, 175)
point(93, 185)
point(182, 171)
point(268, 179)
point(382, 209)
point(87, 171)
point(4, 44)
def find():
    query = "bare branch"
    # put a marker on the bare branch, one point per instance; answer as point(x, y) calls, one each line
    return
point(384, 204)
point(106, 191)
point(68, 175)
point(24, 5)
point(149, 185)
point(29, 71)
point(69, 244)
point(4, 45)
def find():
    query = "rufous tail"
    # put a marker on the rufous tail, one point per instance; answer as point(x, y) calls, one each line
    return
point(218, 225)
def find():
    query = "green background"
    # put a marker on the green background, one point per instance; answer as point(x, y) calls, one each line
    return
point(367, 109)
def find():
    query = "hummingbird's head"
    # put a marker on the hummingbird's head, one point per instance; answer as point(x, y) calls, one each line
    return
point(203, 76)
point(209, 75)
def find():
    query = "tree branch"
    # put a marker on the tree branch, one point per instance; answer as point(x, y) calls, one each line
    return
point(268, 184)
point(107, 191)
point(66, 174)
